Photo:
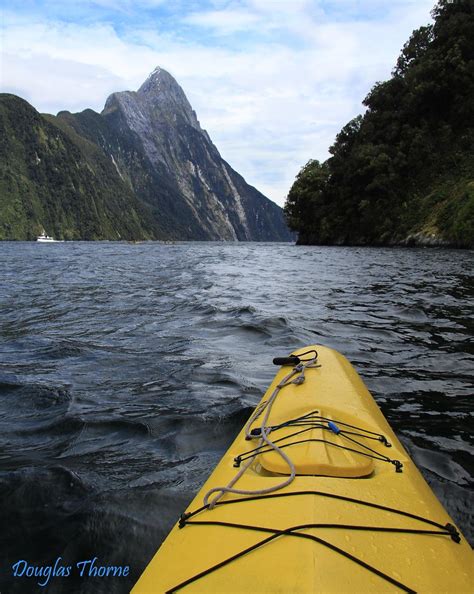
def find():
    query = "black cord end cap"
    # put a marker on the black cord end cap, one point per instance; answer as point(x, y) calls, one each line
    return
point(182, 520)
point(453, 531)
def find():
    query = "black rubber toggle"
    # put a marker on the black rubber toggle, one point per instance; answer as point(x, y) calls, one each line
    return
point(292, 360)
point(182, 520)
point(398, 465)
point(453, 532)
point(237, 462)
point(385, 442)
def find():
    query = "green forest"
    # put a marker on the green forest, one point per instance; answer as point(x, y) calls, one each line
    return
point(403, 172)
point(51, 179)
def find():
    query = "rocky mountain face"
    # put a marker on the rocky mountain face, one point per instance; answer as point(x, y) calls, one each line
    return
point(159, 149)
point(142, 169)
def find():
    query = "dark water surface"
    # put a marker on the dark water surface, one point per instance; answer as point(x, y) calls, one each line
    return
point(126, 371)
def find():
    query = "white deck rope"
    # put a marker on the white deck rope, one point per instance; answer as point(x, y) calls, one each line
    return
point(264, 432)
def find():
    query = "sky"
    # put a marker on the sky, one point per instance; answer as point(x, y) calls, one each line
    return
point(272, 81)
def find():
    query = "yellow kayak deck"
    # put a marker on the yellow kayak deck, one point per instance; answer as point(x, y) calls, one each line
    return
point(356, 518)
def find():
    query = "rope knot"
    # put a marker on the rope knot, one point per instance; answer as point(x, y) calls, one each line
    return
point(298, 380)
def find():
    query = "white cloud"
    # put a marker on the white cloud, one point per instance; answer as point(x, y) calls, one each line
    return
point(270, 101)
point(224, 22)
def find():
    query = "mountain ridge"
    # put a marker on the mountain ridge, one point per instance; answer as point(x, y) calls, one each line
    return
point(159, 153)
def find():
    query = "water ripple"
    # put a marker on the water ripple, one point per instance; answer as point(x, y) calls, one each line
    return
point(126, 371)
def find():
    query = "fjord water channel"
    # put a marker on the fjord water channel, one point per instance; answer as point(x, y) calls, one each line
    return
point(126, 370)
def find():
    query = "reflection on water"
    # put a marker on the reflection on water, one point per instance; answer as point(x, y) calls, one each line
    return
point(126, 370)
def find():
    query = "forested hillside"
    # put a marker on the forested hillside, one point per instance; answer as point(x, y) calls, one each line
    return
point(402, 173)
point(143, 168)
point(54, 180)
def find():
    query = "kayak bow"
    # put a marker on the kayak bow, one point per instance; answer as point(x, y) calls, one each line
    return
point(315, 495)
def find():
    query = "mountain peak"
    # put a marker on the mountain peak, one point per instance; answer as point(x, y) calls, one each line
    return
point(161, 90)
point(158, 79)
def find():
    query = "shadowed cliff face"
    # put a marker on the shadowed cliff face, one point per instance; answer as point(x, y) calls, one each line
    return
point(157, 145)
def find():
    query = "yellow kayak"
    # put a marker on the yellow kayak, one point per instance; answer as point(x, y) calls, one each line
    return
point(315, 495)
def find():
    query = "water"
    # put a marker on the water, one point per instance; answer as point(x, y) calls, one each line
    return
point(126, 371)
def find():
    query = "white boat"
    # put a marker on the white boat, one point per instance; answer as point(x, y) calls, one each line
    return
point(45, 238)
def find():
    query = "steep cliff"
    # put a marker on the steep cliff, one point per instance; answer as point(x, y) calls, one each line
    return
point(158, 147)
point(142, 169)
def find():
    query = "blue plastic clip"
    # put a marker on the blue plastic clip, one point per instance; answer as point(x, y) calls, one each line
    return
point(334, 428)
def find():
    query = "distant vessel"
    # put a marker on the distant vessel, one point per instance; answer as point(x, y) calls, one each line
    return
point(45, 238)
